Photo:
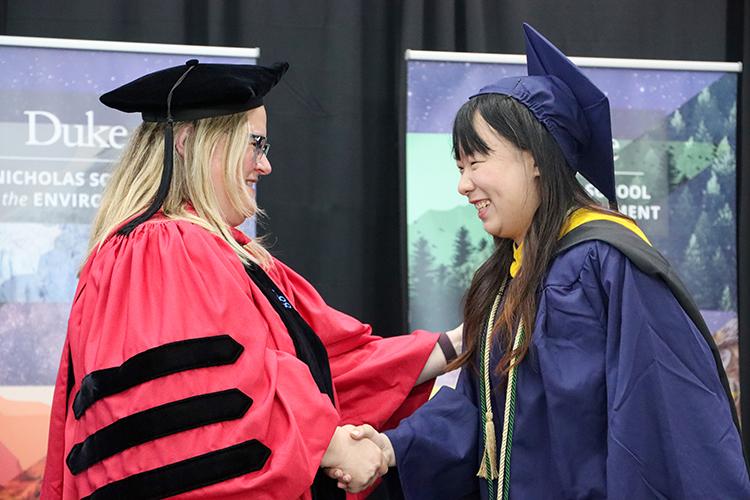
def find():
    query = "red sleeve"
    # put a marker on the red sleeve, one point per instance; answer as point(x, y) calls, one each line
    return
point(374, 377)
point(168, 282)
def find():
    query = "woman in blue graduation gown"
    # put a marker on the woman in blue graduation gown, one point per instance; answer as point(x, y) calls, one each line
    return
point(587, 371)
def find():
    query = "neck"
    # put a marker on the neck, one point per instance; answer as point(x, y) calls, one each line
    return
point(518, 240)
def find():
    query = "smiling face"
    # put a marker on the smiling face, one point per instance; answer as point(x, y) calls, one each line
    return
point(502, 183)
point(253, 167)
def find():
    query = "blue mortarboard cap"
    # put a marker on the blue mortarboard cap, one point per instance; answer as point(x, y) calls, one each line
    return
point(569, 105)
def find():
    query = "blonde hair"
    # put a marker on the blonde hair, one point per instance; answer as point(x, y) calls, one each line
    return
point(135, 181)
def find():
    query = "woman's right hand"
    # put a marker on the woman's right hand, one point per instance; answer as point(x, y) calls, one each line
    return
point(381, 440)
point(365, 433)
point(355, 462)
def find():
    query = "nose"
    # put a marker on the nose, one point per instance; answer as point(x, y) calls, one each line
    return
point(465, 185)
point(263, 166)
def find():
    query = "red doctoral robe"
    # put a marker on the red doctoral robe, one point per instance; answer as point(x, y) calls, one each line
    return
point(153, 399)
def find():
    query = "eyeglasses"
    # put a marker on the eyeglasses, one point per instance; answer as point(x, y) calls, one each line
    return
point(260, 145)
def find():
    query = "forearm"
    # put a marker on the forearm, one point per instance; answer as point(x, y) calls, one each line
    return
point(387, 448)
point(438, 361)
point(334, 453)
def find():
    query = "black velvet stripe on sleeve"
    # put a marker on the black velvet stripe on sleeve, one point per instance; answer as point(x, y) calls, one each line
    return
point(154, 363)
point(190, 474)
point(157, 422)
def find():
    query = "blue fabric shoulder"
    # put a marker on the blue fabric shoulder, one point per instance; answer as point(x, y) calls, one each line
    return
point(670, 432)
point(650, 261)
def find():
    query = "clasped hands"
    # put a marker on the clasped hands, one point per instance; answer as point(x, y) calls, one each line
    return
point(357, 456)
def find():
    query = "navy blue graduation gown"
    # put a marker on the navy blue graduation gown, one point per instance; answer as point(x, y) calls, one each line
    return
point(619, 397)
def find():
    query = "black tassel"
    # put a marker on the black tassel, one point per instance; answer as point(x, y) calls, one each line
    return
point(163, 191)
point(166, 173)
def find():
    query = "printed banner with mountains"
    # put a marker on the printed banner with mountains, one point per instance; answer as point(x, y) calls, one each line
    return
point(674, 141)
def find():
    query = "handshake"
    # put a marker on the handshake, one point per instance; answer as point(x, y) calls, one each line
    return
point(357, 456)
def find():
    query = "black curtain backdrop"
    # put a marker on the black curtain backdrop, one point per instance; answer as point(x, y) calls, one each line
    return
point(334, 200)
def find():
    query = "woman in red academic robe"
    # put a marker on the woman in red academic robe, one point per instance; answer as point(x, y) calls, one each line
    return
point(195, 363)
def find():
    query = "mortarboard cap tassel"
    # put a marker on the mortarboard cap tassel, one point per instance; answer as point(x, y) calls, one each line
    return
point(168, 168)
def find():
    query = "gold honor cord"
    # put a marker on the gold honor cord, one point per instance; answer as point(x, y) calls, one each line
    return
point(503, 482)
point(489, 465)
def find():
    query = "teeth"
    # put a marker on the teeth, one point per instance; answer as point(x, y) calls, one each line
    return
point(482, 204)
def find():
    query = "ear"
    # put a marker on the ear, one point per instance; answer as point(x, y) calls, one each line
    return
point(530, 163)
point(182, 135)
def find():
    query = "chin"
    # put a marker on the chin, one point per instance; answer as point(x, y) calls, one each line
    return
point(234, 220)
point(493, 231)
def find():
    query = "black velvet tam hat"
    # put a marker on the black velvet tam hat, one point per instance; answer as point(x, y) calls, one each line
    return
point(196, 90)
point(190, 92)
